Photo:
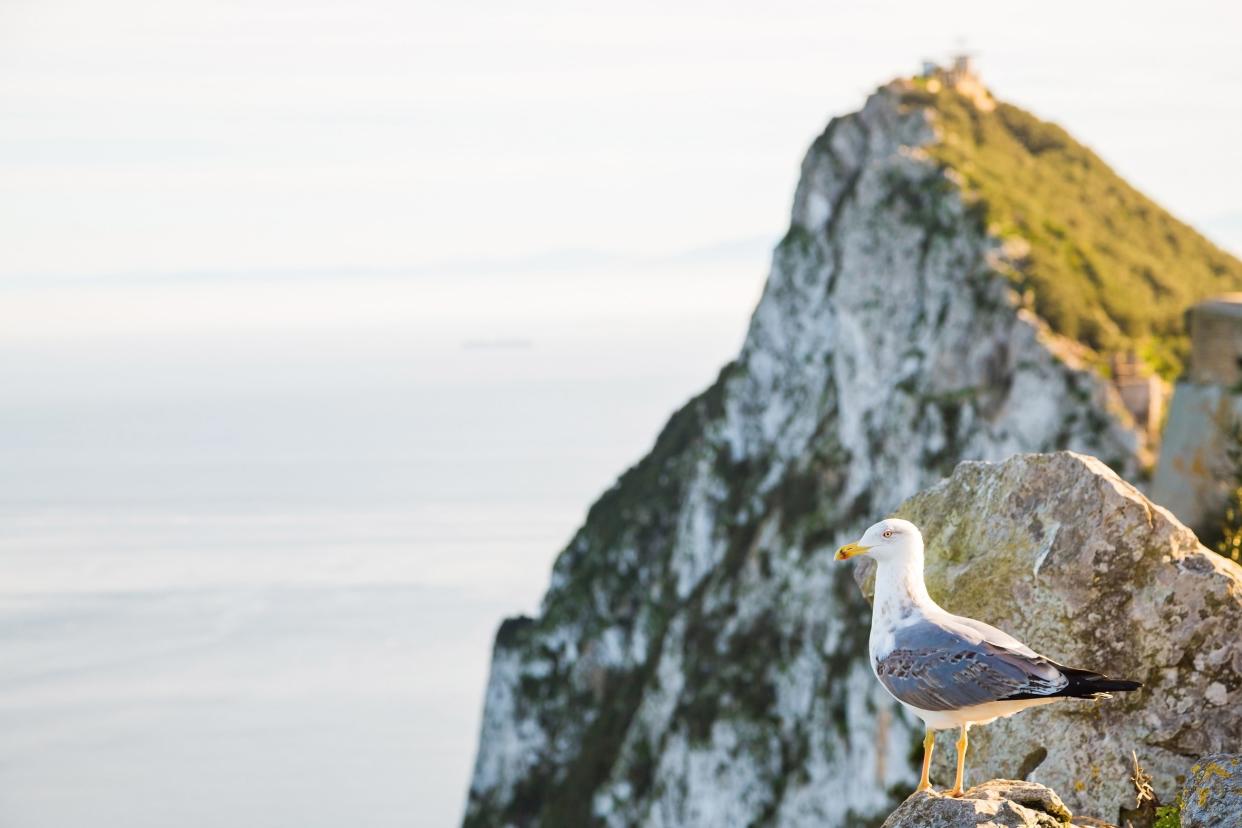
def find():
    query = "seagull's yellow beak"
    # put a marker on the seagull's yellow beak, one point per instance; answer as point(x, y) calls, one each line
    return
point(851, 550)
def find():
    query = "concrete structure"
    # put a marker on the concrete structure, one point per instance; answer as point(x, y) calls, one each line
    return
point(959, 75)
point(961, 68)
point(1216, 341)
point(1196, 471)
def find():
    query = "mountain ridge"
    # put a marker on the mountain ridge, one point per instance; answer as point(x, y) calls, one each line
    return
point(1103, 263)
point(697, 660)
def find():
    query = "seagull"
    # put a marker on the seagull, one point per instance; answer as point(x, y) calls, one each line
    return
point(950, 671)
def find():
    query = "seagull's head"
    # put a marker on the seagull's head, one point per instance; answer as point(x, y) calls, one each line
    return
point(891, 539)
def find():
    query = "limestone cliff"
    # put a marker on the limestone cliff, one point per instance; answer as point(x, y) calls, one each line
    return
point(698, 659)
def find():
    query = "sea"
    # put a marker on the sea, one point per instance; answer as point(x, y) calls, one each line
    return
point(257, 532)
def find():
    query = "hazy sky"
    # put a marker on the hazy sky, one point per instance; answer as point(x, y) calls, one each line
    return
point(239, 136)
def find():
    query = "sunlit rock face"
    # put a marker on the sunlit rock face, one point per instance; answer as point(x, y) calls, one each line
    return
point(698, 659)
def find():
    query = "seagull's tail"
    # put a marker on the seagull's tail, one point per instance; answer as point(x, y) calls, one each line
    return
point(1085, 684)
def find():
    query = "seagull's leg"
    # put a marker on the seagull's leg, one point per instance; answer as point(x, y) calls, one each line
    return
point(929, 744)
point(961, 763)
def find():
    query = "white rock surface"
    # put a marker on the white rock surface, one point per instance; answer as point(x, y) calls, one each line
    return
point(1000, 803)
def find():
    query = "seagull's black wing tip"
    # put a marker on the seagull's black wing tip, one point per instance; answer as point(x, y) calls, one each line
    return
point(1087, 683)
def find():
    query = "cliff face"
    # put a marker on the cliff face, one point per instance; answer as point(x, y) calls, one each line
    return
point(698, 659)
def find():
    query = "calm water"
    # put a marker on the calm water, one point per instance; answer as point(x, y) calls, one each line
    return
point(252, 579)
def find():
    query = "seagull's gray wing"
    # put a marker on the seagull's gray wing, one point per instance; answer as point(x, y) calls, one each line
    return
point(944, 665)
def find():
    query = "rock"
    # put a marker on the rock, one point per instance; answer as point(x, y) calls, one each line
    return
point(1212, 795)
point(698, 659)
point(1000, 803)
point(1059, 551)
point(1193, 478)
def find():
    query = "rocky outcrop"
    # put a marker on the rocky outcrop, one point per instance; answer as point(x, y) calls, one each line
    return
point(1212, 796)
point(698, 659)
point(1061, 552)
point(1196, 472)
point(1000, 803)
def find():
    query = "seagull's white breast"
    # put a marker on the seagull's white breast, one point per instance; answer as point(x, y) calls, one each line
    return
point(886, 621)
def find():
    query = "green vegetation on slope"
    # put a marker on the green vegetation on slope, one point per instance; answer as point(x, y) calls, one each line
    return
point(1107, 266)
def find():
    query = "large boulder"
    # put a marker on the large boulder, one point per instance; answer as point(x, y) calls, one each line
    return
point(1000, 803)
point(1212, 796)
point(1061, 552)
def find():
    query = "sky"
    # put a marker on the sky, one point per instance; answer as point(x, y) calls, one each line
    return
point(281, 137)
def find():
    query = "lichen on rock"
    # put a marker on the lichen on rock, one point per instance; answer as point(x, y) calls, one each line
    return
point(1212, 795)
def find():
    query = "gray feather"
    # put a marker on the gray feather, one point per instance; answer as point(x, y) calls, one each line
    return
point(947, 666)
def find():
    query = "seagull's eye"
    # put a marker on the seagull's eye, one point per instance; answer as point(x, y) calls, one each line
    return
point(888, 533)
